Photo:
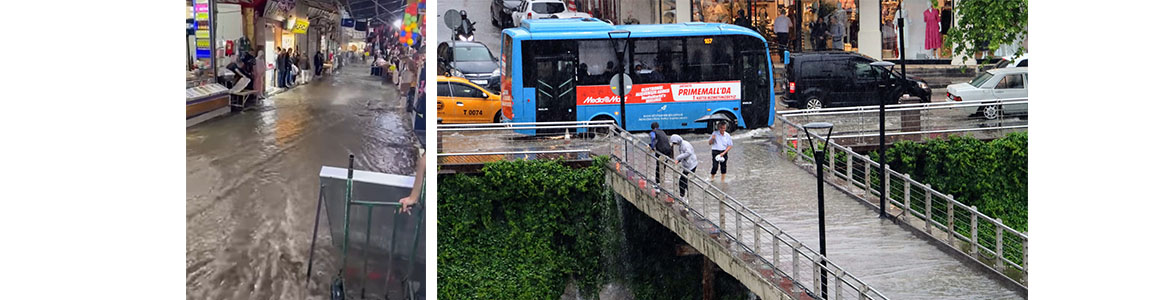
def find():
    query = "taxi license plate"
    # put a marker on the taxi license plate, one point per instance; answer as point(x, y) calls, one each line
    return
point(479, 82)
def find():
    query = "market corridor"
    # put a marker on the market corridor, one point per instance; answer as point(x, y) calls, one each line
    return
point(252, 182)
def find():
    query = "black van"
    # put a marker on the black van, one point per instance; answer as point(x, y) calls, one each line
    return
point(839, 78)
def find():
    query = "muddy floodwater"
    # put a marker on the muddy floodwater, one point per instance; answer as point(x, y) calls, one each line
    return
point(252, 183)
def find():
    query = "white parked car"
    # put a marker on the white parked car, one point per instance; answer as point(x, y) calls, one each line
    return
point(544, 9)
point(995, 84)
point(1009, 62)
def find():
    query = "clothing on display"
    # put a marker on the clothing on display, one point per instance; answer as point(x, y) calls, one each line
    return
point(933, 38)
point(945, 20)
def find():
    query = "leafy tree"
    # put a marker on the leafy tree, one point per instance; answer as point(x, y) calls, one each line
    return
point(987, 22)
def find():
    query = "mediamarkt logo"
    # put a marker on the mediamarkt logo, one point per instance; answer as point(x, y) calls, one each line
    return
point(600, 100)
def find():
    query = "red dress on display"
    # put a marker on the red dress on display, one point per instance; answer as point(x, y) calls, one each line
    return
point(933, 38)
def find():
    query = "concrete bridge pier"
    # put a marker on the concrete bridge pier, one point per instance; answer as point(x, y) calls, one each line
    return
point(716, 252)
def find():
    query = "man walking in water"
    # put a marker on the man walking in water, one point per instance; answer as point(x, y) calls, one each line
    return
point(720, 142)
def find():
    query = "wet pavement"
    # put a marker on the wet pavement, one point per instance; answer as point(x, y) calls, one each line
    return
point(887, 257)
point(252, 183)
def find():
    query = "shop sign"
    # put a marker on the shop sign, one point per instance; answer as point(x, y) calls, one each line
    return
point(202, 27)
point(661, 93)
point(347, 22)
point(301, 26)
point(279, 9)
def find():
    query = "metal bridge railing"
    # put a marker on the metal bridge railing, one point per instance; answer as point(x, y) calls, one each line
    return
point(786, 261)
point(857, 126)
point(479, 143)
point(961, 227)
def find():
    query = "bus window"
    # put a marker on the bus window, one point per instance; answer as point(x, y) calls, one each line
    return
point(658, 58)
point(599, 62)
point(708, 59)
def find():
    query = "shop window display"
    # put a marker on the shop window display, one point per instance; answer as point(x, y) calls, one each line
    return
point(829, 25)
point(926, 25)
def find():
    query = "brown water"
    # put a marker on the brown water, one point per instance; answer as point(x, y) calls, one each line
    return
point(252, 183)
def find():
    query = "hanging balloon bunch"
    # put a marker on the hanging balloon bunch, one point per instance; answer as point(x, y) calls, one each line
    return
point(410, 24)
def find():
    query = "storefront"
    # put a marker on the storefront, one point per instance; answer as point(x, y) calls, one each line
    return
point(211, 32)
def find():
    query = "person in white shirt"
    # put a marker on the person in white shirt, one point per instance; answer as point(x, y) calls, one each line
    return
point(720, 142)
point(780, 27)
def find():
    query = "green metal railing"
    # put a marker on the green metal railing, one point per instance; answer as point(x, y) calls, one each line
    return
point(337, 288)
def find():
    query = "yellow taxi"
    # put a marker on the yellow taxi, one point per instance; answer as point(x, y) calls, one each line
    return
point(461, 101)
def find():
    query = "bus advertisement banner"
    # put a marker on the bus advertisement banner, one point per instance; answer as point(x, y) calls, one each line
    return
point(661, 93)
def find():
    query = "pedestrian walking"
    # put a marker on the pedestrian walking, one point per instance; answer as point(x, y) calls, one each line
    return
point(660, 143)
point(720, 142)
point(686, 159)
point(318, 63)
point(780, 27)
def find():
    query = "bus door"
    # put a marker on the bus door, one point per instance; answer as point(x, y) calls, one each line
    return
point(754, 84)
point(556, 88)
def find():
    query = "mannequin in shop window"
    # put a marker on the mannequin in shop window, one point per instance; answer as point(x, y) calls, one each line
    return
point(933, 40)
point(945, 21)
point(837, 31)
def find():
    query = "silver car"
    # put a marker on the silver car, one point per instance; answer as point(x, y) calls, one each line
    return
point(995, 84)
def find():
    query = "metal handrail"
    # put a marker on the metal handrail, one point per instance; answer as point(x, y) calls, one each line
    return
point(802, 255)
point(799, 263)
point(514, 152)
point(898, 107)
point(949, 232)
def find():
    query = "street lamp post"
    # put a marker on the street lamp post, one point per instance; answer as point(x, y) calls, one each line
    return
point(621, 66)
point(819, 156)
point(882, 138)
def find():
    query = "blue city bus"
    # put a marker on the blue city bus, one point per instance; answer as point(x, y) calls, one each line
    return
point(560, 70)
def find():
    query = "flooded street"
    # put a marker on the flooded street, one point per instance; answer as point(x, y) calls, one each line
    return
point(252, 183)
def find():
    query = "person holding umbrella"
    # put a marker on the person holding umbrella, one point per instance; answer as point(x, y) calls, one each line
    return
point(720, 142)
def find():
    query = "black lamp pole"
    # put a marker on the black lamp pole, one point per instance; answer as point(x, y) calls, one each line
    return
point(819, 155)
point(902, 37)
point(621, 66)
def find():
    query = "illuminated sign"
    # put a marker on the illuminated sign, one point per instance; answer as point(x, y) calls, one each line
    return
point(301, 26)
point(202, 10)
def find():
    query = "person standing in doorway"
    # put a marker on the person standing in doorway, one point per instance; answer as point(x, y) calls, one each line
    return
point(686, 159)
point(660, 143)
point(279, 67)
point(742, 20)
point(819, 33)
point(720, 142)
point(780, 27)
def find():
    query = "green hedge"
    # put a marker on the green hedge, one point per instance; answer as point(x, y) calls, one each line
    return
point(523, 230)
point(993, 175)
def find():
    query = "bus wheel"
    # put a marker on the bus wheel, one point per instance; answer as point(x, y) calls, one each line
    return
point(600, 131)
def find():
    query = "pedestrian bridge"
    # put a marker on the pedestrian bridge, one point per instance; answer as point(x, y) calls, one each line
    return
point(747, 237)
